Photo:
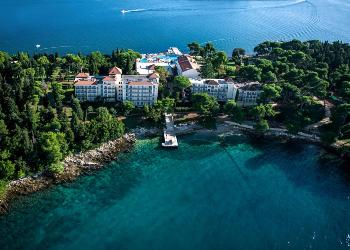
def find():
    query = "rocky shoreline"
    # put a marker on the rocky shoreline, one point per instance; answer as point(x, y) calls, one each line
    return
point(231, 128)
point(91, 160)
point(74, 166)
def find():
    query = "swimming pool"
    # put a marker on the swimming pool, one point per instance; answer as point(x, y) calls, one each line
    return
point(159, 58)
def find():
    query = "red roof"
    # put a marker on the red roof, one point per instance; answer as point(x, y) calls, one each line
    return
point(185, 63)
point(228, 79)
point(107, 78)
point(115, 71)
point(153, 76)
point(152, 67)
point(82, 75)
point(140, 83)
point(211, 82)
point(85, 83)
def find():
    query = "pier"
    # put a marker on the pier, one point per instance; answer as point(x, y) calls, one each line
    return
point(170, 140)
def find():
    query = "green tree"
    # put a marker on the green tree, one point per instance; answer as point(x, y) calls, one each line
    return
point(97, 62)
point(7, 168)
point(207, 70)
point(269, 77)
point(53, 147)
point(262, 125)
point(181, 82)
point(128, 106)
point(205, 104)
point(77, 108)
point(250, 72)
point(263, 111)
point(58, 95)
point(208, 50)
point(167, 104)
point(105, 127)
point(237, 55)
point(195, 48)
point(271, 92)
point(220, 59)
point(234, 111)
point(315, 85)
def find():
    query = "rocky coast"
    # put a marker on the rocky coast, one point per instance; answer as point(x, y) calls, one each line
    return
point(74, 166)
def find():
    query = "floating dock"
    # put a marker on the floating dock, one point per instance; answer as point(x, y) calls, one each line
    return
point(170, 140)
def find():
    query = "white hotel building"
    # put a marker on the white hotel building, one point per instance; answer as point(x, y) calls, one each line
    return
point(139, 89)
point(222, 89)
point(245, 94)
point(248, 93)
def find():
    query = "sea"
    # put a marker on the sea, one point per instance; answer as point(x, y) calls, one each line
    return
point(211, 193)
point(67, 26)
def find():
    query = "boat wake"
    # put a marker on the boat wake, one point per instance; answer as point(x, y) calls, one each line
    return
point(135, 10)
point(288, 4)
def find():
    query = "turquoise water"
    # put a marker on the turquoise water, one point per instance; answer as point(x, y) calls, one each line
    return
point(88, 25)
point(205, 195)
point(166, 58)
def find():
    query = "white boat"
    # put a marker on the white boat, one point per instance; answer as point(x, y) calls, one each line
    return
point(123, 11)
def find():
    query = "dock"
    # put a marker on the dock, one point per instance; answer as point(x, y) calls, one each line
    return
point(170, 140)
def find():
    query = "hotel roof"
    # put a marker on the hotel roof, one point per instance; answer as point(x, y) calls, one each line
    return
point(152, 67)
point(229, 79)
point(211, 82)
point(82, 75)
point(153, 76)
point(107, 78)
point(187, 63)
point(115, 71)
point(250, 86)
point(140, 84)
point(86, 82)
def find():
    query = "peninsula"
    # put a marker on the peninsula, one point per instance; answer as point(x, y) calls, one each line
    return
point(53, 107)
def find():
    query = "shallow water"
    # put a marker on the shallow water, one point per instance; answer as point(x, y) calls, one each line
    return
point(154, 25)
point(208, 194)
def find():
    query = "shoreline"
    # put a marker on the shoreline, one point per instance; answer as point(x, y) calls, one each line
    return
point(74, 166)
point(94, 159)
point(231, 128)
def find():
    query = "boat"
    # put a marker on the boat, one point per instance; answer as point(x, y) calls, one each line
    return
point(124, 11)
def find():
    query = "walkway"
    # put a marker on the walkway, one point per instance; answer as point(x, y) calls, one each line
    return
point(277, 132)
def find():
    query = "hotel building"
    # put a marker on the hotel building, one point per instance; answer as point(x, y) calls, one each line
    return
point(139, 89)
point(222, 89)
point(245, 94)
point(248, 93)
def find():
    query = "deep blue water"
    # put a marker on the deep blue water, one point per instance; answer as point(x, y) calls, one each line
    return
point(205, 195)
point(88, 25)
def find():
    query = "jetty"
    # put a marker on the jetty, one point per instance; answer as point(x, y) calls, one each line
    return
point(170, 140)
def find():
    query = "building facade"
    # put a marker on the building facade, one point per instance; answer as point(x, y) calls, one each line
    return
point(245, 94)
point(222, 89)
point(249, 93)
point(87, 90)
point(139, 89)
